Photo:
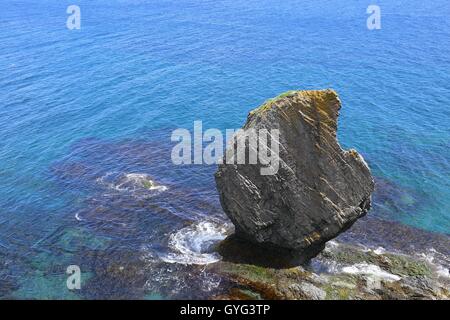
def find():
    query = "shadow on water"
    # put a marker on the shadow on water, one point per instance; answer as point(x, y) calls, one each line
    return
point(236, 249)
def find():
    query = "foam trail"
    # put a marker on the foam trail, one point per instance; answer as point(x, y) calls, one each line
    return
point(438, 260)
point(138, 184)
point(133, 181)
point(193, 244)
point(371, 270)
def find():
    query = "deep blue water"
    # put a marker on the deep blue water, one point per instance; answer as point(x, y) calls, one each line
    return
point(81, 111)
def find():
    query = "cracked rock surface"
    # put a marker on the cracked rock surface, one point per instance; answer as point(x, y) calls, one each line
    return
point(319, 190)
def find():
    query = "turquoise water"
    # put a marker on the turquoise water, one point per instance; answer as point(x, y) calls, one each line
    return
point(81, 110)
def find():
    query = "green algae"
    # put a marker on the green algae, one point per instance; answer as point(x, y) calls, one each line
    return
point(250, 294)
point(325, 105)
point(417, 278)
point(405, 266)
point(147, 184)
point(350, 256)
point(250, 272)
point(254, 278)
point(397, 264)
point(341, 287)
point(268, 103)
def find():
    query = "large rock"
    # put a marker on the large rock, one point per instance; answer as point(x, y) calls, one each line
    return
point(319, 191)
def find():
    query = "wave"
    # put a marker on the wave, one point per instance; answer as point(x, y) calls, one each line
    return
point(363, 268)
point(135, 183)
point(194, 244)
point(370, 270)
point(437, 260)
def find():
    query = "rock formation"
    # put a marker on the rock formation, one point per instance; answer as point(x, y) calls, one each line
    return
point(357, 274)
point(319, 190)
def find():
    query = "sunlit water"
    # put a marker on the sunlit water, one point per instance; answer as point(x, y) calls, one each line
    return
point(86, 118)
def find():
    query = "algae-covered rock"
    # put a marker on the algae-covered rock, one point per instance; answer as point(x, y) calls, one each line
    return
point(354, 273)
point(318, 191)
point(308, 290)
point(269, 283)
point(396, 264)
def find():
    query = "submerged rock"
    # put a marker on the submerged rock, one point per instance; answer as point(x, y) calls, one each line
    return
point(340, 272)
point(319, 190)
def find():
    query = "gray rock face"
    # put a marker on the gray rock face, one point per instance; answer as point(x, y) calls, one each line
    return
point(319, 189)
point(308, 290)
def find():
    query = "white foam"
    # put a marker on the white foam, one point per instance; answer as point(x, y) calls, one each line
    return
point(332, 244)
point(101, 180)
point(370, 270)
point(130, 182)
point(442, 271)
point(362, 160)
point(77, 217)
point(431, 256)
point(133, 181)
point(379, 250)
point(190, 245)
point(324, 266)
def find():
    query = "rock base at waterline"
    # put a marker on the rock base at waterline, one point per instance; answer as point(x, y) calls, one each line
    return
point(340, 272)
point(239, 250)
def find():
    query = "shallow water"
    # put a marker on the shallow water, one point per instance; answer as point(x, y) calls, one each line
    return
point(86, 118)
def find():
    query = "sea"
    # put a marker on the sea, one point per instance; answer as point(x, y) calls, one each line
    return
point(86, 117)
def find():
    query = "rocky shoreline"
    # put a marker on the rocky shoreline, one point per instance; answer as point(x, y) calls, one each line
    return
point(340, 272)
point(284, 222)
